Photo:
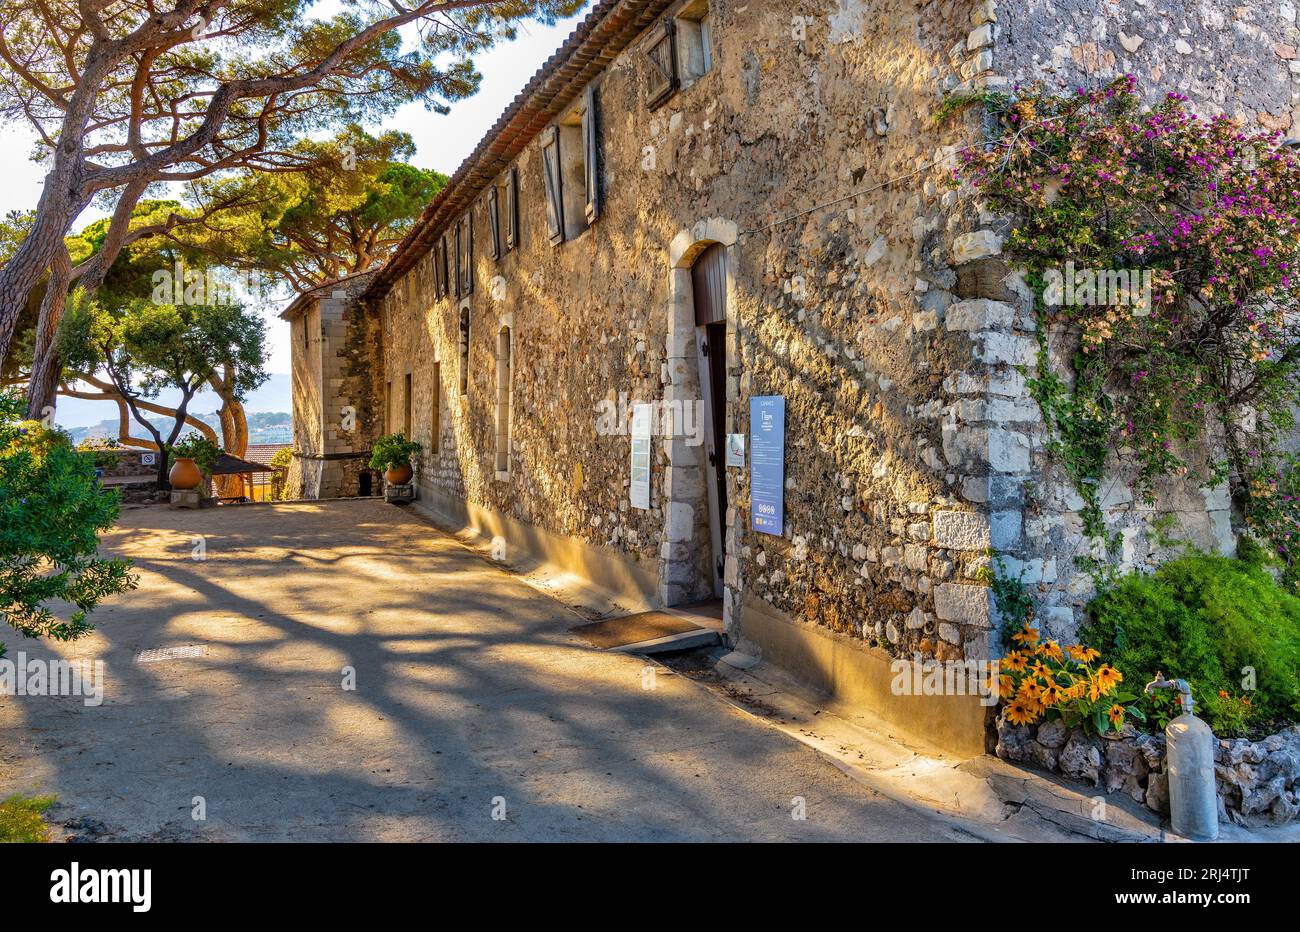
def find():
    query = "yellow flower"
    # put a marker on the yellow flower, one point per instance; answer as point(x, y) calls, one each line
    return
point(1053, 695)
point(1026, 636)
point(1021, 712)
point(1116, 715)
point(1030, 689)
point(1108, 678)
point(1041, 669)
point(1006, 685)
point(1015, 662)
point(1083, 654)
point(1051, 649)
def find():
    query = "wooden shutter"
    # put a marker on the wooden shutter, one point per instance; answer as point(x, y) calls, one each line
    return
point(460, 276)
point(662, 53)
point(438, 278)
point(494, 223)
point(552, 182)
point(443, 268)
point(512, 208)
point(465, 254)
point(591, 152)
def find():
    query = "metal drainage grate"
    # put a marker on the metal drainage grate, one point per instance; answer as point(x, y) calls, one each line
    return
point(162, 654)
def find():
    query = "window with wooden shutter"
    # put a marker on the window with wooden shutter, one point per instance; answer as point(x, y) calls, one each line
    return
point(663, 65)
point(512, 208)
point(494, 223)
point(552, 183)
point(465, 254)
point(694, 27)
point(591, 151)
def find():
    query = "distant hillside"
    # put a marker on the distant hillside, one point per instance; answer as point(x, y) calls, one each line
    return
point(276, 395)
point(263, 427)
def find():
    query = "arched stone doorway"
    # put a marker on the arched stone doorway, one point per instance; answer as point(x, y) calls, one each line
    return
point(700, 553)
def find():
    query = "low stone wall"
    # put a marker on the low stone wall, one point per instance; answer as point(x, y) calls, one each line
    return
point(1257, 781)
point(143, 493)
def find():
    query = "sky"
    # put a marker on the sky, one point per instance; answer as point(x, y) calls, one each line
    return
point(442, 143)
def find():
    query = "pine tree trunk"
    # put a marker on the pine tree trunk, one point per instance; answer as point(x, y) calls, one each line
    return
point(234, 431)
point(60, 205)
point(47, 363)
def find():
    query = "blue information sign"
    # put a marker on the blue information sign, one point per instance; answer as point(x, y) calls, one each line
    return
point(767, 464)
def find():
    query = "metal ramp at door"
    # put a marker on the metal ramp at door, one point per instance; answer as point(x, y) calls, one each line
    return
point(667, 629)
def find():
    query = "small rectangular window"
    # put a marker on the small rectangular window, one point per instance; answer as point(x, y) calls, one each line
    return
point(494, 223)
point(694, 41)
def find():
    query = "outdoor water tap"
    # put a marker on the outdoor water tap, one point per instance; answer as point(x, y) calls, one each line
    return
point(1184, 691)
point(1189, 764)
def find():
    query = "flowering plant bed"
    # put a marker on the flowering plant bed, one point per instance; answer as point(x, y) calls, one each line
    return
point(1043, 680)
point(1065, 710)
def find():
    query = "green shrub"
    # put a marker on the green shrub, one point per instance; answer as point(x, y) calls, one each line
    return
point(393, 450)
point(22, 818)
point(1223, 625)
point(51, 514)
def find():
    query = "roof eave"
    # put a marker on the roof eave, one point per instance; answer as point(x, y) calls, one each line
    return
point(610, 27)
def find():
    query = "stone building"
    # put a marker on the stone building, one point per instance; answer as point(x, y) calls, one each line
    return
point(335, 416)
point(698, 204)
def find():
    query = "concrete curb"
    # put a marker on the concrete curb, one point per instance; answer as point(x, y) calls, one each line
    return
point(984, 797)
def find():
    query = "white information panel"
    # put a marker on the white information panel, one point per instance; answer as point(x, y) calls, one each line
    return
point(642, 417)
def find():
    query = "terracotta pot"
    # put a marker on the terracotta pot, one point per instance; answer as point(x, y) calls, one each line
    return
point(398, 475)
point(185, 474)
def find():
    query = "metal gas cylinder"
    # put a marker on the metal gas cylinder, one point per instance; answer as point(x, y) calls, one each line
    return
point(1189, 758)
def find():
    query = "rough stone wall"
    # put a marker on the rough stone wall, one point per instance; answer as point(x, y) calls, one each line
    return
point(303, 479)
point(1235, 58)
point(812, 152)
point(335, 348)
point(1238, 59)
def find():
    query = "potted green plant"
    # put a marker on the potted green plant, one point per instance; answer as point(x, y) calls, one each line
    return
point(192, 459)
point(392, 453)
